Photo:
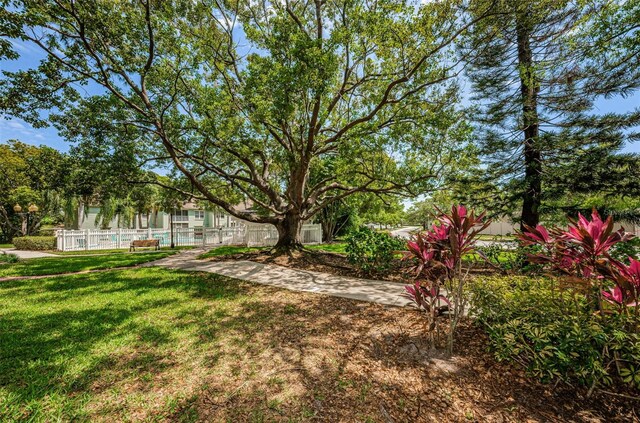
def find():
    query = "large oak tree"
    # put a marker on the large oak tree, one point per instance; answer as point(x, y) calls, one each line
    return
point(247, 99)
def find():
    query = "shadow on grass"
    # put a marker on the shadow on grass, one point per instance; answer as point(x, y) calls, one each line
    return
point(162, 344)
point(60, 336)
point(68, 264)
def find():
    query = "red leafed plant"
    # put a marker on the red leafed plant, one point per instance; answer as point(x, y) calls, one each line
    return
point(438, 255)
point(581, 252)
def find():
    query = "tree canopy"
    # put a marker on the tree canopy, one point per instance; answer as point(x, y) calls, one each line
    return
point(250, 99)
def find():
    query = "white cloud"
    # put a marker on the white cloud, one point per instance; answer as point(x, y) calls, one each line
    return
point(21, 130)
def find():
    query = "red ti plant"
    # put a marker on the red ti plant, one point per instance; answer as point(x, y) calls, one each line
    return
point(426, 296)
point(582, 253)
point(438, 254)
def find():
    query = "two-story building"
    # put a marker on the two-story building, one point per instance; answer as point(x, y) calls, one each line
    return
point(190, 215)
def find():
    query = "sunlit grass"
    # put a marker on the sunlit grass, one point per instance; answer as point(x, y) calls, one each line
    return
point(57, 265)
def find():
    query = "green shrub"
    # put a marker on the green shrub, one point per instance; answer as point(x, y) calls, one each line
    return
point(625, 249)
point(372, 251)
point(8, 258)
point(47, 231)
point(509, 258)
point(35, 243)
point(553, 332)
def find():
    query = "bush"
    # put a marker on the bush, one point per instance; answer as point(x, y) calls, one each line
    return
point(372, 251)
point(553, 332)
point(47, 231)
point(625, 249)
point(35, 243)
point(438, 255)
point(8, 258)
point(510, 258)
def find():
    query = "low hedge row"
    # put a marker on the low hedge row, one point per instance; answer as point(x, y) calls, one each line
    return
point(35, 243)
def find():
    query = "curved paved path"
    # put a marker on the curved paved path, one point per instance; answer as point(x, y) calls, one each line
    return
point(23, 254)
point(381, 292)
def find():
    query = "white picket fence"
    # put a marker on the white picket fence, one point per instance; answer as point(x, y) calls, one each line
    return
point(90, 239)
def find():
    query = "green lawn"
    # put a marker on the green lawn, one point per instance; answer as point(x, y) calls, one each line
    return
point(6, 245)
point(337, 247)
point(152, 344)
point(229, 250)
point(485, 237)
point(113, 251)
point(57, 265)
point(100, 345)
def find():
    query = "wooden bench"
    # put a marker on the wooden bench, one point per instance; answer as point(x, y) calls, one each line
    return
point(144, 243)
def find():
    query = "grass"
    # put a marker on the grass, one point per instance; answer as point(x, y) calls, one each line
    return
point(337, 247)
point(229, 250)
point(57, 265)
point(485, 237)
point(6, 245)
point(99, 345)
point(114, 251)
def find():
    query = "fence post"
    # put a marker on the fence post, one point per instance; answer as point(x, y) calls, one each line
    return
point(86, 239)
point(148, 231)
point(119, 237)
point(64, 236)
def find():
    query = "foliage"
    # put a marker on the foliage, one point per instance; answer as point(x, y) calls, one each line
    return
point(35, 243)
point(438, 257)
point(582, 254)
point(625, 250)
point(371, 250)
point(553, 332)
point(510, 258)
point(29, 175)
point(537, 70)
point(336, 219)
point(9, 258)
point(315, 92)
point(422, 212)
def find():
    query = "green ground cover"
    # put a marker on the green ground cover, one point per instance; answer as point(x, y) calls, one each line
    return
point(57, 265)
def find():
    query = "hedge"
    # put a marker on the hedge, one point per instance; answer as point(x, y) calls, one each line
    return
point(35, 243)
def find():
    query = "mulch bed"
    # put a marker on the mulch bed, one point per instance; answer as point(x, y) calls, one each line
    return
point(382, 369)
point(333, 263)
point(337, 360)
point(320, 261)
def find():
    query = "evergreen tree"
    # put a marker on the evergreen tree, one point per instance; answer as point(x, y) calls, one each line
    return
point(532, 72)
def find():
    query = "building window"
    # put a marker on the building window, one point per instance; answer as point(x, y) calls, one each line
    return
point(199, 214)
point(181, 225)
point(220, 215)
point(181, 216)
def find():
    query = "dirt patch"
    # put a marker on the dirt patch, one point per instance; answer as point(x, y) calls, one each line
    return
point(321, 261)
point(337, 264)
point(321, 358)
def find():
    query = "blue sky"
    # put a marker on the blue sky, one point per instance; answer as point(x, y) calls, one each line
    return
point(30, 56)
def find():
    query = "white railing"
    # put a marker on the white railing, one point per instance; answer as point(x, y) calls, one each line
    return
point(92, 239)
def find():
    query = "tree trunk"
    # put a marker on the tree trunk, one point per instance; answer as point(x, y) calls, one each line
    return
point(529, 88)
point(289, 233)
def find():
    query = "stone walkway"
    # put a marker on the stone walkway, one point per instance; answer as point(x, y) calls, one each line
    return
point(26, 254)
point(388, 293)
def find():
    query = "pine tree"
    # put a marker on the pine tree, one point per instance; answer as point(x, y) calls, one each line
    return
point(532, 73)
